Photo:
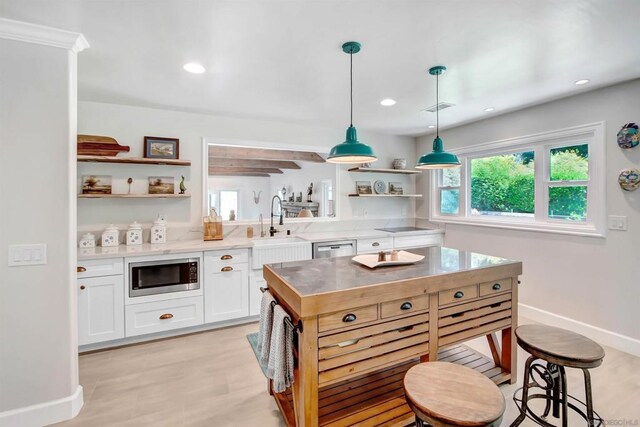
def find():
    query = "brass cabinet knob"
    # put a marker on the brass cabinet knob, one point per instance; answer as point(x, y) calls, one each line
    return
point(226, 269)
point(166, 316)
point(81, 269)
point(82, 287)
point(226, 257)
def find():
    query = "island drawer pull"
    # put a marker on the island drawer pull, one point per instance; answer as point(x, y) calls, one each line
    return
point(225, 269)
point(375, 244)
point(496, 286)
point(458, 294)
point(226, 257)
point(166, 316)
point(406, 306)
point(81, 269)
point(349, 318)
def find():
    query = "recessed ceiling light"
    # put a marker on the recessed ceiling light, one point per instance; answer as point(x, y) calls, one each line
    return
point(387, 102)
point(489, 109)
point(194, 67)
point(431, 126)
point(582, 82)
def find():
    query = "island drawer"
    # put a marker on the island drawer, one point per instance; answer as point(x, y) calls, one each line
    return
point(477, 318)
point(344, 355)
point(347, 318)
point(404, 306)
point(457, 295)
point(495, 287)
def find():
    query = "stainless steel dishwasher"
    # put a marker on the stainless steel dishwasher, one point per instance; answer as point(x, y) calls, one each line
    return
point(334, 249)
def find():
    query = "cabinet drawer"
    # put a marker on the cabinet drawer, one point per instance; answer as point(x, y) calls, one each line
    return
point(100, 267)
point(221, 258)
point(421, 240)
point(457, 295)
point(161, 316)
point(347, 318)
point(495, 287)
point(404, 306)
point(375, 245)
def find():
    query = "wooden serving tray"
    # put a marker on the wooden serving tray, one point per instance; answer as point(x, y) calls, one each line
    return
point(95, 145)
point(371, 260)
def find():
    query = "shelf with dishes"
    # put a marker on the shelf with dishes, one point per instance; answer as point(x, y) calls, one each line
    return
point(133, 160)
point(133, 196)
point(393, 171)
point(386, 195)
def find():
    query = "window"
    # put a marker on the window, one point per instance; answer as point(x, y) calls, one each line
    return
point(550, 182)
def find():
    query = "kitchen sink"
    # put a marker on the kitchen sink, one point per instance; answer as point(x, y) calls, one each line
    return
point(269, 250)
point(276, 241)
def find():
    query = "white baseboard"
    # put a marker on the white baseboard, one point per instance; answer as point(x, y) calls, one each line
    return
point(602, 336)
point(44, 414)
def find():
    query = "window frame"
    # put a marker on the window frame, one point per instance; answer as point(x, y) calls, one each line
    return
point(541, 144)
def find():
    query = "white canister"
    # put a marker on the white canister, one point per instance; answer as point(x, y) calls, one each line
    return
point(88, 240)
point(110, 236)
point(158, 231)
point(134, 234)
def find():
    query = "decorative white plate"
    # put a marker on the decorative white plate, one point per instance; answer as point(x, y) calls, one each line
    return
point(371, 260)
point(379, 187)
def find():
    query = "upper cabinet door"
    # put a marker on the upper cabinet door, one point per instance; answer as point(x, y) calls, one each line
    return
point(226, 292)
point(100, 309)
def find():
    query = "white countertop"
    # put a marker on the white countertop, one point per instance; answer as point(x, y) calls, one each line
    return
point(183, 246)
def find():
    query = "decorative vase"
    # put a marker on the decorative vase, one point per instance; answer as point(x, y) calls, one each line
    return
point(399, 163)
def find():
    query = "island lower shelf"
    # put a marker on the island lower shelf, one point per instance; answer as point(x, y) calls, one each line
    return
point(377, 398)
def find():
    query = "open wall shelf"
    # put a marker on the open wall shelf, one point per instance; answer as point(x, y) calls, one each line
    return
point(133, 196)
point(394, 171)
point(134, 160)
point(385, 195)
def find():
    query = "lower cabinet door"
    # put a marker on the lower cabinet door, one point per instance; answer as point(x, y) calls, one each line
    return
point(226, 293)
point(256, 281)
point(100, 309)
point(159, 316)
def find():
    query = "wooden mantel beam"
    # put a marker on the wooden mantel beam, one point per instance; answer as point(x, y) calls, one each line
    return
point(227, 152)
point(214, 170)
point(251, 163)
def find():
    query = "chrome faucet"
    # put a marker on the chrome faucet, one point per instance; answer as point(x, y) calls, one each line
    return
point(272, 230)
point(262, 233)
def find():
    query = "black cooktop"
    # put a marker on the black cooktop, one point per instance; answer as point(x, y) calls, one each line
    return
point(401, 229)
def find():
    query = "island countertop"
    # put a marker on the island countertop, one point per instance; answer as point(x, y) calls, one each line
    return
point(310, 282)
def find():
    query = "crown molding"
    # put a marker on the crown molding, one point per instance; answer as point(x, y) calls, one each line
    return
point(39, 34)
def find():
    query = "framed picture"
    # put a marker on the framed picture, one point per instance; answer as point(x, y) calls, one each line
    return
point(161, 148)
point(395, 188)
point(96, 184)
point(363, 187)
point(161, 185)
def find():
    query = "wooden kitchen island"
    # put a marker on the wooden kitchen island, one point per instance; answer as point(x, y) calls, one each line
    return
point(363, 329)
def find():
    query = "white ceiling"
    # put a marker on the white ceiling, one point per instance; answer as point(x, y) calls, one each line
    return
point(281, 60)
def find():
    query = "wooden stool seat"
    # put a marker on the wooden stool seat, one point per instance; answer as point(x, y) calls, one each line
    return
point(448, 395)
point(559, 346)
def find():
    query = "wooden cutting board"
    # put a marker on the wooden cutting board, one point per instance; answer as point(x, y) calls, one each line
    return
point(93, 145)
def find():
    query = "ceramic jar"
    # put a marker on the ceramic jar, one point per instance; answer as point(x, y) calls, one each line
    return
point(134, 234)
point(159, 231)
point(88, 240)
point(399, 163)
point(110, 236)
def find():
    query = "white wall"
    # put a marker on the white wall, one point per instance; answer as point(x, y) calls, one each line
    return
point(246, 185)
point(38, 330)
point(130, 124)
point(591, 280)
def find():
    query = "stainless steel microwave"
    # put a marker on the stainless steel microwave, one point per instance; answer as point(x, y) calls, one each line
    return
point(159, 277)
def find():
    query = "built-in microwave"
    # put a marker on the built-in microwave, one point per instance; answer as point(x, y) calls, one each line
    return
point(163, 276)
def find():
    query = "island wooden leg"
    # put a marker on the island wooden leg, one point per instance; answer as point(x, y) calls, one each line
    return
point(433, 330)
point(509, 359)
point(307, 415)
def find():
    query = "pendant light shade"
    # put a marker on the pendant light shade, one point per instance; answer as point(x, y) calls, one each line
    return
point(351, 151)
point(438, 158)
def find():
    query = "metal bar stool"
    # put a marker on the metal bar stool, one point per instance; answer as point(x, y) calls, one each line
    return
point(443, 394)
point(557, 349)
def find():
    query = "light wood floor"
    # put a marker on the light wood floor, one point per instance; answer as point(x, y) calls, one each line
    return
point(213, 379)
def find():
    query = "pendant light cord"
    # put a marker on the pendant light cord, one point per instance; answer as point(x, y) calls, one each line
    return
point(351, 82)
point(437, 107)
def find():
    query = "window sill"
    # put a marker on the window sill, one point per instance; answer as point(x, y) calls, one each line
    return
point(586, 230)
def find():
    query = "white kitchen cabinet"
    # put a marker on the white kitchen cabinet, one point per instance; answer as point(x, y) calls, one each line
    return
point(160, 316)
point(226, 289)
point(369, 246)
point(100, 309)
point(417, 241)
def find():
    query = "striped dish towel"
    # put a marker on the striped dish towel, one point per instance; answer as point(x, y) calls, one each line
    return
point(266, 323)
point(280, 366)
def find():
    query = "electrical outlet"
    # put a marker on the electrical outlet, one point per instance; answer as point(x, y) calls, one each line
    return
point(163, 217)
point(27, 255)
point(617, 222)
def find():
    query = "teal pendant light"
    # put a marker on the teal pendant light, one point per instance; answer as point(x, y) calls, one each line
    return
point(351, 151)
point(438, 158)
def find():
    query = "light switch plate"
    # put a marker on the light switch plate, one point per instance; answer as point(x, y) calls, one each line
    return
point(35, 254)
point(617, 222)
